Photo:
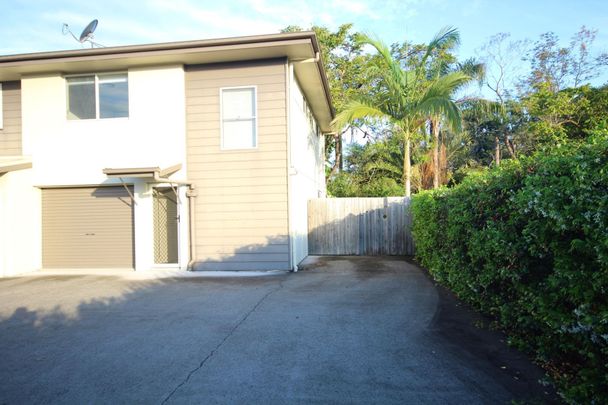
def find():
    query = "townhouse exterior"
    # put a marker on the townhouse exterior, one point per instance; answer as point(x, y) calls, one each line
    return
point(195, 155)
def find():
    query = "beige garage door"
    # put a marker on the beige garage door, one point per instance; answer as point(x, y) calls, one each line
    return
point(88, 227)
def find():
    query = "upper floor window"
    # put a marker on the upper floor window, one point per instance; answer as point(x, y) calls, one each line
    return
point(238, 116)
point(98, 96)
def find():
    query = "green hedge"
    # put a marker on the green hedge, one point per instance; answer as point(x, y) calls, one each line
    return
point(527, 243)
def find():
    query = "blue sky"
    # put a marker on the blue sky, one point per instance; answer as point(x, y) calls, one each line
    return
point(30, 25)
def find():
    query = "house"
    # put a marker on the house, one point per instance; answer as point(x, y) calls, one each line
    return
point(198, 154)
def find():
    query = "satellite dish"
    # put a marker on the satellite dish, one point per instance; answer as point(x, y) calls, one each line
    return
point(87, 33)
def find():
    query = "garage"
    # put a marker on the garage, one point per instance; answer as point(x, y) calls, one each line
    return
point(87, 227)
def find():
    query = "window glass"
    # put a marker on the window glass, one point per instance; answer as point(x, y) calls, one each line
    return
point(238, 118)
point(238, 103)
point(113, 96)
point(81, 97)
point(239, 134)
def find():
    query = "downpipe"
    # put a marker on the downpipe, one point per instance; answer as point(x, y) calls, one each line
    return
point(191, 194)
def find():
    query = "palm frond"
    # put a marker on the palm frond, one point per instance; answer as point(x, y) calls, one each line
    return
point(447, 38)
point(385, 166)
point(475, 69)
point(445, 86)
point(438, 105)
point(384, 51)
point(357, 109)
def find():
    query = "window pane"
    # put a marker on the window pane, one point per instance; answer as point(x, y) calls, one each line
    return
point(238, 103)
point(113, 96)
point(81, 97)
point(239, 134)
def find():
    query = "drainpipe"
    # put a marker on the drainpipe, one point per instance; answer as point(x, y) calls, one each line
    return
point(316, 59)
point(191, 194)
point(292, 242)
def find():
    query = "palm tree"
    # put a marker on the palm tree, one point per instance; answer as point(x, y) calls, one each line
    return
point(443, 62)
point(405, 97)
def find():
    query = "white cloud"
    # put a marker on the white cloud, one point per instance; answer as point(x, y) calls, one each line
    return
point(360, 8)
point(123, 22)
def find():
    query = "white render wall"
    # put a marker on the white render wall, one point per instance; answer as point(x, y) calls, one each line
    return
point(306, 169)
point(67, 152)
point(20, 223)
point(75, 152)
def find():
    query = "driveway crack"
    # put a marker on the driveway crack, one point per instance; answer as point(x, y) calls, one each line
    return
point(224, 340)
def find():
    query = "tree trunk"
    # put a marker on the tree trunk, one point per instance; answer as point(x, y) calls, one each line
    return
point(338, 159)
point(497, 151)
point(338, 149)
point(510, 147)
point(436, 169)
point(407, 166)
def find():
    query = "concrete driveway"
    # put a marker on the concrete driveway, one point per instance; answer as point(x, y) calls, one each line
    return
point(344, 330)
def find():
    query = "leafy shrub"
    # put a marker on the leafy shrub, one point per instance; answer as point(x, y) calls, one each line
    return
point(527, 243)
point(347, 184)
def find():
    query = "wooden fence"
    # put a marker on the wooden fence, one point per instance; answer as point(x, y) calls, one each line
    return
point(360, 226)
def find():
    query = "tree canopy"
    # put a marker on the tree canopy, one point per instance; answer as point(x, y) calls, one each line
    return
point(423, 125)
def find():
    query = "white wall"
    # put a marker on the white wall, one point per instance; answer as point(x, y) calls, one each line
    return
point(75, 152)
point(20, 224)
point(306, 171)
point(68, 152)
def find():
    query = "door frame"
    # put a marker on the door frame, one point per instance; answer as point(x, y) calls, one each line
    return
point(178, 240)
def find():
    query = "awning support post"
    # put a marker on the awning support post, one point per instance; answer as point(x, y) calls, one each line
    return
point(128, 191)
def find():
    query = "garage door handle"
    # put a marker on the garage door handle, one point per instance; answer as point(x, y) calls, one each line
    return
point(89, 234)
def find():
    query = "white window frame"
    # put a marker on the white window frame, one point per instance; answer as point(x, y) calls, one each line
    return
point(1, 109)
point(255, 117)
point(96, 80)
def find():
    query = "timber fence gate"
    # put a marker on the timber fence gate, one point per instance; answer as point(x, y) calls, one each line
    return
point(360, 226)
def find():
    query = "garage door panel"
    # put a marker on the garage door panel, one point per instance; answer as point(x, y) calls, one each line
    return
point(87, 227)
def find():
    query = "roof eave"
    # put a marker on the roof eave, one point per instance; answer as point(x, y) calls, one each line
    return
point(294, 46)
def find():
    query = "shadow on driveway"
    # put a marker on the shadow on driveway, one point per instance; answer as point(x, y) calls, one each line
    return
point(343, 330)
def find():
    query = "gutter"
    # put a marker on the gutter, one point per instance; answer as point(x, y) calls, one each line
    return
point(321, 67)
point(163, 47)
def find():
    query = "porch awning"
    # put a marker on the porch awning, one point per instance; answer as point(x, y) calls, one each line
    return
point(12, 163)
point(142, 172)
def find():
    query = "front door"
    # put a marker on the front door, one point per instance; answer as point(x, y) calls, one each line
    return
point(166, 221)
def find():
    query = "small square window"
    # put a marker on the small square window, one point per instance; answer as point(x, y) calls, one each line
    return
point(98, 96)
point(239, 121)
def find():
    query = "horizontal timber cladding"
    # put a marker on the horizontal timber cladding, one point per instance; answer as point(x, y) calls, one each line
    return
point(10, 133)
point(87, 227)
point(241, 207)
point(360, 226)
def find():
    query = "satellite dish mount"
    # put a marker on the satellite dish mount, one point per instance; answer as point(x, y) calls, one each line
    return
point(86, 36)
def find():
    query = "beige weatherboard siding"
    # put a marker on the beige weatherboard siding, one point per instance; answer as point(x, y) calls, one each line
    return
point(241, 208)
point(10, 128)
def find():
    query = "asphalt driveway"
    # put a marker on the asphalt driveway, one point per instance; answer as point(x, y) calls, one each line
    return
point(344, 330)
